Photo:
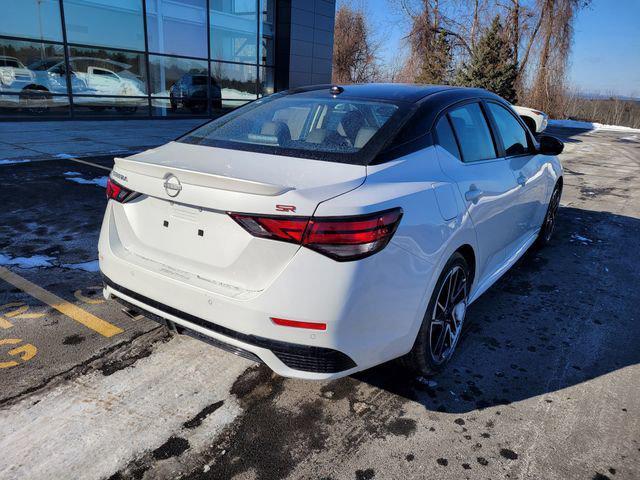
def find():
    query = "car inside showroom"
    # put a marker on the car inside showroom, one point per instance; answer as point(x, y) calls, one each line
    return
point(155, 58)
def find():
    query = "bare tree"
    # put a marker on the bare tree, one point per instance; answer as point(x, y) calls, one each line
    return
point(354, 50)
point(555, 36)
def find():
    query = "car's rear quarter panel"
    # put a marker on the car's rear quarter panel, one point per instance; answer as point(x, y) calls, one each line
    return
point(428, 235)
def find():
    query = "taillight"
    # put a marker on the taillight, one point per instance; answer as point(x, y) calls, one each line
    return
point(340, 238)
point(287, 229)
point(119, 193)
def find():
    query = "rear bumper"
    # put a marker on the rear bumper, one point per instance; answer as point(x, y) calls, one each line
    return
point(372, 308)
point(305, 358)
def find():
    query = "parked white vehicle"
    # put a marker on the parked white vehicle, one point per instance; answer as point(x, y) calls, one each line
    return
point(534, 119)
point(14, 75)
point(325, 230)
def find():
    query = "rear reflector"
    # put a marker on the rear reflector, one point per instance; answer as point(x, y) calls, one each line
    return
point(340, 238)
point(297, 324)
point(119, 193)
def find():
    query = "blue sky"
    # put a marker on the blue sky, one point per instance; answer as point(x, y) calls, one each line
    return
point(605, 57)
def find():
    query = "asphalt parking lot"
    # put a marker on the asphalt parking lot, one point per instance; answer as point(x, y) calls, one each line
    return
point(544, 385)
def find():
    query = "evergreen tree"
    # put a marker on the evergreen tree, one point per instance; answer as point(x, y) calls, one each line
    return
point(436, 64)
point(491, 65)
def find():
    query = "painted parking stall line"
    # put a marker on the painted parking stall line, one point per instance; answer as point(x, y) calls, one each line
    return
point(72, 311)
point(85, 162)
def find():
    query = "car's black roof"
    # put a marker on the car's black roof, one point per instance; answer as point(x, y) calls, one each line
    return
point(403, 92)
point(418, 107)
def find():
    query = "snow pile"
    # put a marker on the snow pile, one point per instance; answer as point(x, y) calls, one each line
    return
point(590, 126)
point(37, 261)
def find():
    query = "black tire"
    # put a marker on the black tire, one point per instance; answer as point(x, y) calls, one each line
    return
point(35, 101)
point(422, 359)
point(550, 217)
point(129, 109)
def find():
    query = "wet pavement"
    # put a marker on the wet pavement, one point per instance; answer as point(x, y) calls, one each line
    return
point(544, 384)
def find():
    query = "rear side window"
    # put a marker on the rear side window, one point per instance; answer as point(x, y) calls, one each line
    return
point(514, 137)
point(473, 133)
point(446, 139)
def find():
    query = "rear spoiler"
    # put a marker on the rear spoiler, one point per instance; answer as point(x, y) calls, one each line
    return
point(220, 182)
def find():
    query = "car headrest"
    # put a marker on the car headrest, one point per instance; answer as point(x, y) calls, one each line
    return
point(279, 130)
point(364, 135)
point(316, 136)
point(351, 124)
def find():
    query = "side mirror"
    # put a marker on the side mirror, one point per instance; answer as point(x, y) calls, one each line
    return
point(550, 145)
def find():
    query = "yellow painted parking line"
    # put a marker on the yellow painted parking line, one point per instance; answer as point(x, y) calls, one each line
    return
point(72, 311)
point(83, 298)
point(74, 159)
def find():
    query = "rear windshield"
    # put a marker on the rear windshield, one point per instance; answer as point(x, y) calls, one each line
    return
point(316, 126)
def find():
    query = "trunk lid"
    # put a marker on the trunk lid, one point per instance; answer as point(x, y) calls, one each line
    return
point(180, 226)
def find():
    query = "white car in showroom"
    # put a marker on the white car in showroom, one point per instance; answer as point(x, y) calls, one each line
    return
point(328, 229)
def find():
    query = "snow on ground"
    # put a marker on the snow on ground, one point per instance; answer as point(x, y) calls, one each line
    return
point(100, 181)
point(13, 162)
point(36, 261)
point(104, 421)
point(91, 266)
point(590, 126)
point(580, 238)
point(43, 261)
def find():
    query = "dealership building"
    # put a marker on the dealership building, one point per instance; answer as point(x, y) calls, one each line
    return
point(156, 58)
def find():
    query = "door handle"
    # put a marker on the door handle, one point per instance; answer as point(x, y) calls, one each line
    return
point(473, 194)
point(522, 180)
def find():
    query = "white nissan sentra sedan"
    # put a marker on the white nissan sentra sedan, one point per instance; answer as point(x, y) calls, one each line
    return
point(328, 229)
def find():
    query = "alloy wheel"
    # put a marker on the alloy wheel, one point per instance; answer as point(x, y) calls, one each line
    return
point(552, 212)
point(448, 315)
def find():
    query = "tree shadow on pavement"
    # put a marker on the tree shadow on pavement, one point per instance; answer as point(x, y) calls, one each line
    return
point(561, 316)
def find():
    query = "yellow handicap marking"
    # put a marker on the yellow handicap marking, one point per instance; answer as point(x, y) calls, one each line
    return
point(72, 311)
point(17, 310)
point(83, 298)
point(5, 324)
point(24, 352)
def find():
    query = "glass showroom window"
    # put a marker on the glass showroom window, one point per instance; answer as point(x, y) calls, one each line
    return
point(32, 77)
point(266, 86)
point(177, 27)
point(180, 85)
point(31, 19)
point(107, 23)
point(107, 72)
point(110, 106)
point(237, 82)
point(234, 30)
point(266, 31)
